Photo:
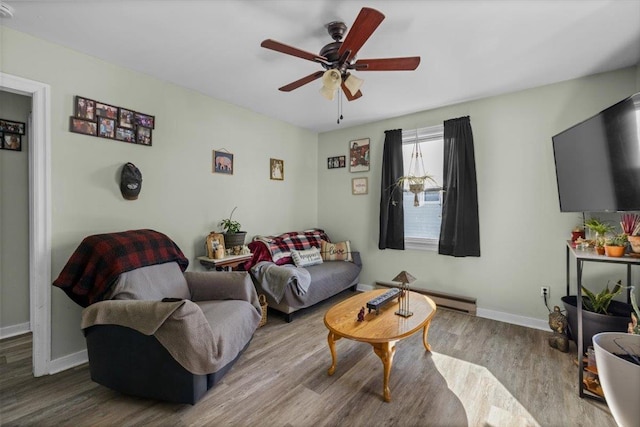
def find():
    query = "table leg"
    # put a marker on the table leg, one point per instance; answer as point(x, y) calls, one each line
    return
point(425, 332)
point(331, 339)
point(385, 352)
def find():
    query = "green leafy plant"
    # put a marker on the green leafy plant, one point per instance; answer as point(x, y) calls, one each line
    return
point(599, 303)
point(229, 225)
point(617, 240)
point(596, 225)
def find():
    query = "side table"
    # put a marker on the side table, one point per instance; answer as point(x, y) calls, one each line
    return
point(228, 263)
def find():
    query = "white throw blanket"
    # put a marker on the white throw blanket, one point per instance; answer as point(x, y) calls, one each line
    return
point(274, 279)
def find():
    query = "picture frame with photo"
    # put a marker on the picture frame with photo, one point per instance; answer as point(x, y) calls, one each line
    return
point(336, 162)
point(125, 135)
point(126, 118)
point(11, 141)
point(11, 126)
point(106, 110)
point(222, 162)
point(276, 169)
point(360, 186)
point(144, 120)
point(143, 135)
point(85, 127)
point(85, 108)
point(359, 155)
point(106, 127)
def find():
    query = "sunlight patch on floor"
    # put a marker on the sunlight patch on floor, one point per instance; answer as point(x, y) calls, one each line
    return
point(485, 399)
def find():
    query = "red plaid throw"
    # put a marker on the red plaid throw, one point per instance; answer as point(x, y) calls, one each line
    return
point(279, 247)
point(99, 260)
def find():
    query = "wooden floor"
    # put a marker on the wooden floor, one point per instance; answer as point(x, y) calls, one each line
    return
point(481, 373)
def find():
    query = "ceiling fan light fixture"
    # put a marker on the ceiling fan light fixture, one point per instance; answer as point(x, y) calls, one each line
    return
point(328, 93)
point(331, 79)
point(353, 84)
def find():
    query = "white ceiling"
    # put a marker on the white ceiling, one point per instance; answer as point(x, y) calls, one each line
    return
point(469, 49)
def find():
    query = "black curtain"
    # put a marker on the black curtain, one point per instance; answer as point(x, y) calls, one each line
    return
point(460, 230)
point(391, 210)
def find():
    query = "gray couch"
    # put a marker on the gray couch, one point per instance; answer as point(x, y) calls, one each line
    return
point(176, 349)
point(327, 279)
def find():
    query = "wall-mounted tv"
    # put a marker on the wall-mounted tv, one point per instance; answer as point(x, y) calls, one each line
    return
point(598, 161)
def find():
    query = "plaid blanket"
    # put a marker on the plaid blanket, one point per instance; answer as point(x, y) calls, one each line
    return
point(277, 249)
point(96, 264)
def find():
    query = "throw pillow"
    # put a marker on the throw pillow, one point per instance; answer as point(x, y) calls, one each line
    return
point(340, 251)
point(307, 257)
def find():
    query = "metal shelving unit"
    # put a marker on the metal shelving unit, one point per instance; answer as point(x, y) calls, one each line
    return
point(590, 256)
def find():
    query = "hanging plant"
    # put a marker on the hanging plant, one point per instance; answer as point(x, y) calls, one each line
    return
point(417, 177)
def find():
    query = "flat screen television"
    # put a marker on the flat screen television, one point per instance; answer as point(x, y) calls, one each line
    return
point(598, 161)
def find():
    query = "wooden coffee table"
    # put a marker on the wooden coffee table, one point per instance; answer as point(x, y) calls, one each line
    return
point(381, 330)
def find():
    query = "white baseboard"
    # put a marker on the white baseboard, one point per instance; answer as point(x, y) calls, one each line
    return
point(13, 330)
point(500, 316)
point(514, 319)
point(67, 362)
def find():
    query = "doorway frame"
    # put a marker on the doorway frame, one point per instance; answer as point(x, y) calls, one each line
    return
point(39, 215)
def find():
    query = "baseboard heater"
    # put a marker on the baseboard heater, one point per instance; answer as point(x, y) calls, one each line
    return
point(442, 299)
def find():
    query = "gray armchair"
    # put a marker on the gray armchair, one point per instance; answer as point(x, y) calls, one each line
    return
point(176, 349)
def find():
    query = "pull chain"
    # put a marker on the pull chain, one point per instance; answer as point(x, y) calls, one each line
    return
point(339, 106)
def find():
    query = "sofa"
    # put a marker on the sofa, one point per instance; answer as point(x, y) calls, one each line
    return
point(156, 331)
point(289, 287)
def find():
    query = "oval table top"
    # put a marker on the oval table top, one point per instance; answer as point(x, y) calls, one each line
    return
point(342, 318)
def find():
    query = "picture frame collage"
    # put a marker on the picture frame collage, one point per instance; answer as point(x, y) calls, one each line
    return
point(359, 161)
point(11, 133)
point(96, 118)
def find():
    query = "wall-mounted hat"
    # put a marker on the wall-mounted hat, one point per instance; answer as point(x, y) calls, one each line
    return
point(130, 181)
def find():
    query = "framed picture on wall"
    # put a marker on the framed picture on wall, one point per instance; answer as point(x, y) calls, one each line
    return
point(86, 127)
point(125, 118)
point(359, 155)
point(126, 135)
point(143, 135)
point(144, 120)
point(276, 169)
point(359, 186)
point(222, 162)
point(12, 127)
point(336, 162)
point(106, 110)
point(11, 141)
point(85, 108)
point(106, 127)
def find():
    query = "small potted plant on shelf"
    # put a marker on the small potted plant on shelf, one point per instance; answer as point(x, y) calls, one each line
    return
point(630, 224)
point(616, 245)
point(232, 234)
point(600, 229)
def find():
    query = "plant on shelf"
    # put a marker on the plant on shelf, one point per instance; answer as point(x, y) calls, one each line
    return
point(600, 228)
point(229, 225)
point(616, 245)
point(232, 235)
point(599, 303)
point(631, 226)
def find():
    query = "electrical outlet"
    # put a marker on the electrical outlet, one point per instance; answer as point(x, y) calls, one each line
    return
point(544, 290)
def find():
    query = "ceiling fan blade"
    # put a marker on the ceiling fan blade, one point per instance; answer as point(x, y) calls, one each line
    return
point(348, 94)
point(303, 81)
point(387, 64)
point(365, 24)
point(293, 51)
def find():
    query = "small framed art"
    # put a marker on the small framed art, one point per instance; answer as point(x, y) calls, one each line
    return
point(126, 135)
point(85, 108)
point(276, 169)
point(144, 120)
point(106, 110)
point(359, 155)
point(125, 118)
point(12, 127)
point(86, 127)
point(222, 162)
point(336, 162)
point(143, 135)
point(359, 186)
point(106, 127)
point(11, 141)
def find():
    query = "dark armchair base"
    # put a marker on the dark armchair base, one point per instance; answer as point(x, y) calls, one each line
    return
point(133, 363)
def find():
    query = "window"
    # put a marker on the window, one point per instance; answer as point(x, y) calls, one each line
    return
point(422, 223)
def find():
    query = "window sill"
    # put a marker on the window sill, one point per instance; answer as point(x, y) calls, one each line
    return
point(421, 244)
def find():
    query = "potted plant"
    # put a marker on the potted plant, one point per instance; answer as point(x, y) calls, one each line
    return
point(232, 234)
point(599, 228)
point(615, 246)
point(416, 185)
point(630, 225)
point(600, 313)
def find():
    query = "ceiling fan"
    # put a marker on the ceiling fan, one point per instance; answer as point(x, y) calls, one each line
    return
point(339, 57)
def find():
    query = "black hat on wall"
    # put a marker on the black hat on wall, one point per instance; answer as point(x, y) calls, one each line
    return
point(130, 181)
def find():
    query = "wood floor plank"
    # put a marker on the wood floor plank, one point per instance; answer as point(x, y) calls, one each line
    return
point(480, 373)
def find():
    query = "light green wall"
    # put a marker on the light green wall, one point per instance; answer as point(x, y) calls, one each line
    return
point(14, 218)
point(180, 196)
point(522, 231)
